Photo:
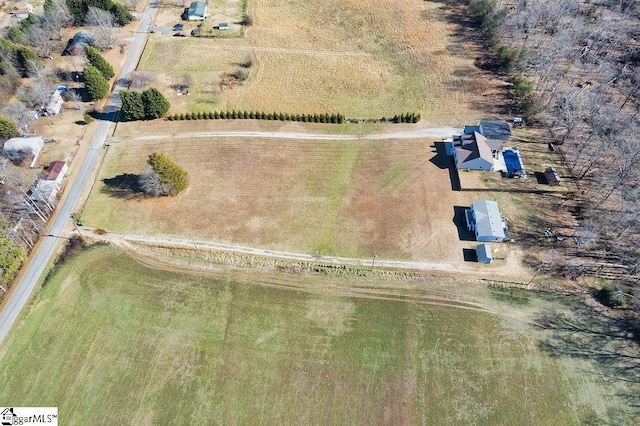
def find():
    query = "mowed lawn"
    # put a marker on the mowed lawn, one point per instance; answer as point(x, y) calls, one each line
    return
point(110, 341)
point(349, 198)
point(363, 58)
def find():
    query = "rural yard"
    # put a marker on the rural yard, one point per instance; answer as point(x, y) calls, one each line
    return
point(391, 198)
point(310, 272)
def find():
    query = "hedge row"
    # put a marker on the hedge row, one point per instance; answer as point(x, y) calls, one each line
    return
point(309, 118)
point(411, 117)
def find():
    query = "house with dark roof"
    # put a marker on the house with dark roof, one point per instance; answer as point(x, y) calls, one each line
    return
point(473, 151)
point(492, 129)
point(76, 45)
point(197, 11)
point(485, 220)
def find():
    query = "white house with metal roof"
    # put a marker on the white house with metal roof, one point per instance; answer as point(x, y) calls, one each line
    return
point(485, 220)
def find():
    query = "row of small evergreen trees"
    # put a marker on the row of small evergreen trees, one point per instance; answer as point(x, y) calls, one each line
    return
point(411, 117)
point(214, 115)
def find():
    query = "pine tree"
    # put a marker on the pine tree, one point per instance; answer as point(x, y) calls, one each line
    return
point(133, 107)
point(98, 61)
point(155, 104)
point(95, 83)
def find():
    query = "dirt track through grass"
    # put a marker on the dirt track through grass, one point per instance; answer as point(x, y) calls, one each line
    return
point(107, 332)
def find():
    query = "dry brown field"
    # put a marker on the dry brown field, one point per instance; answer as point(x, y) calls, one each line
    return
point(362, 58)
point(352, 198)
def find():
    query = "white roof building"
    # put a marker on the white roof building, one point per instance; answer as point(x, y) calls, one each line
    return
point(49, 183)
point(55, 104)
point(485, 220)
point(32, 145)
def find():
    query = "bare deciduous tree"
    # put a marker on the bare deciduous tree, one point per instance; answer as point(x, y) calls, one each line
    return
point(150, 184)
point(142, 79)
point(20, 114)
point(56, 17)
point(104, 24)
point(40, 38)
point(74, 96)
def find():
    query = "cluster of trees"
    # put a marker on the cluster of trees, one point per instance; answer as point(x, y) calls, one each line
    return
point(233, 114)
point(575, 68)
point(80, 9)
point(96, 74)
point(145, 105)
point(165, 177)
point(97, 60)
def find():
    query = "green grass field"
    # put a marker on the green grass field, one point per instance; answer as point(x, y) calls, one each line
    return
point(110, 341)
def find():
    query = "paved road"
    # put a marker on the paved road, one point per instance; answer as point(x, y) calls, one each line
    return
point(122, 239)
point(59, 221)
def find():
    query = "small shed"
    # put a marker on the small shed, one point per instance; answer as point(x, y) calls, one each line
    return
point(32, 145)
point(483, 253)
point(551, 175)
point(223, 26)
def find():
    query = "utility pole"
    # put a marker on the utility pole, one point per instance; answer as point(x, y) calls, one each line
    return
point(534, 275)
point(373, 261)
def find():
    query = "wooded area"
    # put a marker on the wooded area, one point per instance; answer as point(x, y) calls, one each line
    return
point(574, 69)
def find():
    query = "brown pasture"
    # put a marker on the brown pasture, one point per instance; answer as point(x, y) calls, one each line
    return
point(351, 198)
point(363, 58)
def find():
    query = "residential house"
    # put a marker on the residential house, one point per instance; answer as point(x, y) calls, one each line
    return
point(23, 12)
point(485, 220)
point(49, 183)
point(473, 151)
point(483, 253)
point(197, 11)
point(32, 145)
point(76, 45)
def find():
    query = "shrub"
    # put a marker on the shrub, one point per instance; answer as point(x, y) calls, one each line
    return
point(245, 115)
point(216, 115)
point(8, 128)
point(87, 119)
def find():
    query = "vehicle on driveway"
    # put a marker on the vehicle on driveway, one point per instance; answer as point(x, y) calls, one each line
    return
point(179, 35)
point(178, 27)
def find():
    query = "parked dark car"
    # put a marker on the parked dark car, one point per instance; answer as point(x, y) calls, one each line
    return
point(179, 35)
point(178, 27)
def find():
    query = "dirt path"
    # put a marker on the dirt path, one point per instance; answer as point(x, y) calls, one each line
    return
point(426, 133)
point(123, 239)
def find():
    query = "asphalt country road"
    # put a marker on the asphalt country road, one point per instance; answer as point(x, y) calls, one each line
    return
point(45, 250)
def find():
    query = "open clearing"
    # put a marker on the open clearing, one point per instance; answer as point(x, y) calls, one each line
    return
point(362, 58)
point(354, 198)
point(109, 332)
